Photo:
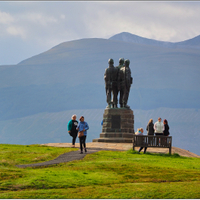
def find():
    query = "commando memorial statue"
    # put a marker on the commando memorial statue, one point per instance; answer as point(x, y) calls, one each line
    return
point(118, 123)
point(124, 80)
point(119, 87)
point(118, 79)
point(110, 77)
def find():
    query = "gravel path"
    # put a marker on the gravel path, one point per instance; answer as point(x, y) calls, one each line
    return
point(95, 147)
point(66, 157)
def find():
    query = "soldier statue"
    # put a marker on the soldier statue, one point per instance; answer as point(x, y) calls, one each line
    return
point(110, 77)
point(119, 87)
point(125, 80)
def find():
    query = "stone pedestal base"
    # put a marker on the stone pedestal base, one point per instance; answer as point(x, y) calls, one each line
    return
point(118, 126)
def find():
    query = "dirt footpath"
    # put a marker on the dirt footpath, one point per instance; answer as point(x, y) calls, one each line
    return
point(126, 146)
point(98, 146)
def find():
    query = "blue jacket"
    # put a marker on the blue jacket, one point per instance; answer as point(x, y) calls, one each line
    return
point(83, 125)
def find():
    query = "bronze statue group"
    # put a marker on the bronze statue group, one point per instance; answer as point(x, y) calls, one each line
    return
point(118, 80)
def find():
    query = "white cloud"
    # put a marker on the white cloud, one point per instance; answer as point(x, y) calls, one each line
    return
point(37, 18)
point(156, 20)
point(16, 31)
point(48, 23)
point(5, 18)
point(160, 20)
point(62, 16)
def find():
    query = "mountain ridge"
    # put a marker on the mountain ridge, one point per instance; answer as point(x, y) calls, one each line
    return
point(40, 92)
point(128, 37)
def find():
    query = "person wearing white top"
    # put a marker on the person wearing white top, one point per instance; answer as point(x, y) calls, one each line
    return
point(159, 128)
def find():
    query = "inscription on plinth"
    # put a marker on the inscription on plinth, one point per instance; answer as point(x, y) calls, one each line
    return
point(115, 121)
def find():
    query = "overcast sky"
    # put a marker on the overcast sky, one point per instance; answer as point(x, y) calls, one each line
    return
point(30, 28)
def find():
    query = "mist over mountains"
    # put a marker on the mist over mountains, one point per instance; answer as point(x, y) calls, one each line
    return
point(131, 38)
point(39, 95)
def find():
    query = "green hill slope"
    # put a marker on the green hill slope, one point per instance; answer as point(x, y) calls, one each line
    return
point(105, 174)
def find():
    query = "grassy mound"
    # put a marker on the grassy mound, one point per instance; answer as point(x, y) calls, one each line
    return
point(105, 174)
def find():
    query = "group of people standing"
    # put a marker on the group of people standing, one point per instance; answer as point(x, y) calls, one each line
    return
point(159, 129)
point(74, 127)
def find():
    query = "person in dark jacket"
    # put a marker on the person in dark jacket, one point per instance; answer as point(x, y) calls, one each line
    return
point(150, 127)
point(166, 131)
point(150, 130)
point(72, 129)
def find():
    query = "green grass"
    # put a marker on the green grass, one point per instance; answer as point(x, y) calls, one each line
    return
point(105, 174)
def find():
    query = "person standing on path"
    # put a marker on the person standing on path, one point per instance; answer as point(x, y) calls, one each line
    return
point(159, 128)
point(83, 126)
point(71, 126)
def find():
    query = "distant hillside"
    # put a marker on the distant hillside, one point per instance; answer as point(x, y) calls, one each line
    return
point(69, 77)
point(131, 38)
point(194, 42)
point(54, 80)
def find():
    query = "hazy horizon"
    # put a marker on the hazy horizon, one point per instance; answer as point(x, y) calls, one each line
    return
point(30, 28)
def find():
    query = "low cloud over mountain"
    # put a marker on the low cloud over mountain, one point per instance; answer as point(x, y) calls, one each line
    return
point(131, 38)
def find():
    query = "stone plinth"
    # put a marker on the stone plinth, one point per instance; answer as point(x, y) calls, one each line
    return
point(118, 126)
